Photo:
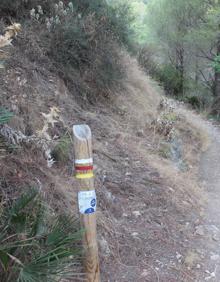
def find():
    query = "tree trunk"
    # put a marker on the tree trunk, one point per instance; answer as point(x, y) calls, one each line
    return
point(180, 68)
point(216, 90)
point(197, 71)
point(216, 87)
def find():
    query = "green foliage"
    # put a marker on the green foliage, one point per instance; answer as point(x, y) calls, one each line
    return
point(83, 40)
point(194, 101)
point(62, 151)
point(216, 64)
point(169, 77)
point(115, 19)
point(21, 8)
point(146, 59)
point(165, 150)
point(36, 245)
point(85, 47)
point(184, 35)
point(139, 25)
point(5, 116)
point(10, 7)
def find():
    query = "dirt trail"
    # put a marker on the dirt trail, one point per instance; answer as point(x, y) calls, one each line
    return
point(209, 231)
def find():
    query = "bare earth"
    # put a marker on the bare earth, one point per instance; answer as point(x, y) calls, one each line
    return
point(209, 231)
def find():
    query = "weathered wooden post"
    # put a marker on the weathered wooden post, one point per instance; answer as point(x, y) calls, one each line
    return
point(86, 198)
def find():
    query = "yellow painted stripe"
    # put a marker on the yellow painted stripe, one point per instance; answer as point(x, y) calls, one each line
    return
point(85, 175)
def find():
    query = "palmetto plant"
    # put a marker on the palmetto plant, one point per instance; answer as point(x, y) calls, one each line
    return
point(5, 116)
point(35, 244)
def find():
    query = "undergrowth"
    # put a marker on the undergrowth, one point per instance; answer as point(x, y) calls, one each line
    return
point(84, 45)
point(35, 244)
point(5, 116)
point(83, 40)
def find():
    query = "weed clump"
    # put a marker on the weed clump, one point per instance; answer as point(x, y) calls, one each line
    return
point(85, 48)
point(82, 41)
point(36, 244)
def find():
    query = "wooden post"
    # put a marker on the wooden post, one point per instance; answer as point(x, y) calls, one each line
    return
point(86, 198)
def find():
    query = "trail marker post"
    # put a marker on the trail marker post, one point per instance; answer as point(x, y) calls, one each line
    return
point(82, 139)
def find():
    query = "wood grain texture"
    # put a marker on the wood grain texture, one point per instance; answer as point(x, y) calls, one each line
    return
point(83, 150)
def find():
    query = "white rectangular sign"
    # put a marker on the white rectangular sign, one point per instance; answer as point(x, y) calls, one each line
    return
point(87, 202)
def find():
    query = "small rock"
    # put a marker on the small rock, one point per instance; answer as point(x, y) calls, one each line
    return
point(178, 255)
point(200, 230)
point(212, 275)
point(215, 257)
point(171, 189)
point(136, 213)
point(134, 234)
point(215, 237)
point(144, 273)
point(104, 246)
point(198, 266)
point(109, 196)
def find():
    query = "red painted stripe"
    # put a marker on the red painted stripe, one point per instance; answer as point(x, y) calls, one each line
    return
point(84, 167)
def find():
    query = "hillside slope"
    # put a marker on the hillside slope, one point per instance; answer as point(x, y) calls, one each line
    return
point(147, 187)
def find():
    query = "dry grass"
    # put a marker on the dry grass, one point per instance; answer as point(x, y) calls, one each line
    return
point(143, 98)
point(128, 165)
point(140, 99)
point(196, 125)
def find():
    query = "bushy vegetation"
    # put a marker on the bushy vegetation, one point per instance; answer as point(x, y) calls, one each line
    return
point(185, 38)
point(35, 244)
point(170, 79)
point(62, 151)
point(81, 45)
point(19, 8)
point(85, 47)
point(5, 116)
point(83, 40)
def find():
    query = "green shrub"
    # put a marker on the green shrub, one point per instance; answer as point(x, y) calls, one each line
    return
point(145, 56)
point(83, 40)
point(216, 64)
point(165, 150)
point(166, 74)
point(21, 8)
point(5, 116)
point(170, 78)
point(116, 20)
point(85, 47)
point(36, 245)
point(194, 101)
point(62, 151)
point(197, 94)
point(79, 46)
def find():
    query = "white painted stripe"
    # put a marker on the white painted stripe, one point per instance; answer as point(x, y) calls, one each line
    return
point(84, 161)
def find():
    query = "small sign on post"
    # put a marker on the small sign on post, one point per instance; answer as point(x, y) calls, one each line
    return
point(82, 139)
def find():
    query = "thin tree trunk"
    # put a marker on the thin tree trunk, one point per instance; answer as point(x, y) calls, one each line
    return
point(216, 86)
point(180, 68)
point(216, 90)
point(197, 71)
